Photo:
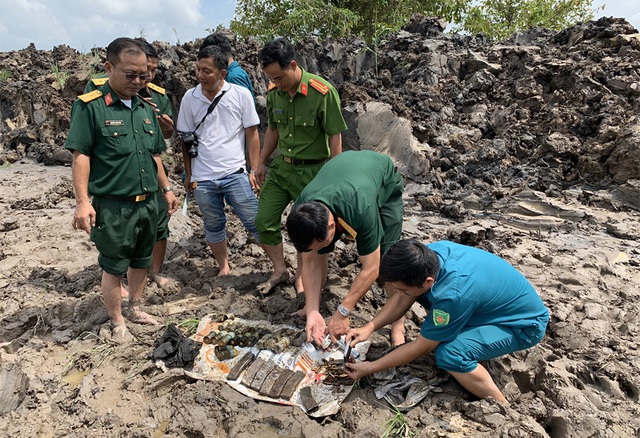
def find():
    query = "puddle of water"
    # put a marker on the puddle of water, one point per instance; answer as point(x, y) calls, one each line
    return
point(269, 431)
point(74, 378)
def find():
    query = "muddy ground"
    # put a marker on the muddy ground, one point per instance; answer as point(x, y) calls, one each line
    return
point(528, 149)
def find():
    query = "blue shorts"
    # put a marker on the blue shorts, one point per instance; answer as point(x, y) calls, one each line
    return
point(476, 344)
point(236, 190)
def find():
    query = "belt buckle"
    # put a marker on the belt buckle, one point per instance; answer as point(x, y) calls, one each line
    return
point(140, 198)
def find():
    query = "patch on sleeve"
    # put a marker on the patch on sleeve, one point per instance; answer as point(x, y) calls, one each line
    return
point(440, 317)
point(322, 88)
point(92, 95)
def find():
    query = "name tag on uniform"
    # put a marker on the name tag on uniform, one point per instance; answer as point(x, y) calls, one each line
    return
point(278, 111)
point(114, 122)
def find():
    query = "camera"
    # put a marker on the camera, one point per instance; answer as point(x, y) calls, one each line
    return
point(190, 141)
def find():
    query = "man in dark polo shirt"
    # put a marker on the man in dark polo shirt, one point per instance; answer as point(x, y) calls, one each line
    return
point(358, 195)
point(305, 125)
point(116, 141)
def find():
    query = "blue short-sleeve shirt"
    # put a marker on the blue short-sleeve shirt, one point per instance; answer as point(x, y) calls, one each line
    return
point(476, 288)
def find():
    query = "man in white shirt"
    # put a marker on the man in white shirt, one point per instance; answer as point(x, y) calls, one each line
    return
point(215, 165)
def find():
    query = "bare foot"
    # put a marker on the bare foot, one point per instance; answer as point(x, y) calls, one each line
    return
point(140, 317)
point(223, 272)
point(120, 334)
point(159, 280)
point(272, 282)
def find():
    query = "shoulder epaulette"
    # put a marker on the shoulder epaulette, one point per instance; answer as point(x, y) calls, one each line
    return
point(271, 86)
point(348, 228)
point(93, 95)
point(98, 82)
point(322, 88)
point(156, 88)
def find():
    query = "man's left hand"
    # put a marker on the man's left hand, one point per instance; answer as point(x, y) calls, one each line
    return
point(338, 326)
point(172, 201)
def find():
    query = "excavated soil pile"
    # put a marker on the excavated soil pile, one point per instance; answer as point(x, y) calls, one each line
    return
point(529, 148)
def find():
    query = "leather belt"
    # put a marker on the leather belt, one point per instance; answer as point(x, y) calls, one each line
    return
point(302, 162)
point(137, 198)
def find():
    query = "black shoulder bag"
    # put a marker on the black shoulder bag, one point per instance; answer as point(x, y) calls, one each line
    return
point(190, 139)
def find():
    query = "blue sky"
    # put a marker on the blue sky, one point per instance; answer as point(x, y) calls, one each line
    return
point(84, 24)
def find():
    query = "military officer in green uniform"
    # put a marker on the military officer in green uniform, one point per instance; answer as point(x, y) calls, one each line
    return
point(305, 125)
point(158, 97)
point(357, 194)
point(116, 141)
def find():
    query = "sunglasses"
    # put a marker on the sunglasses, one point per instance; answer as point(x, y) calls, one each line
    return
point(133, 76)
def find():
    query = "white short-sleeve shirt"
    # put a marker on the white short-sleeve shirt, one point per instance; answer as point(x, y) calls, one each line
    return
point(222, 134)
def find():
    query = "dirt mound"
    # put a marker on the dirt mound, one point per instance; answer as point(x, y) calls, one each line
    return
point(528, 148)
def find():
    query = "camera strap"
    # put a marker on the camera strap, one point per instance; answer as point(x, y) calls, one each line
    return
point(209, 110)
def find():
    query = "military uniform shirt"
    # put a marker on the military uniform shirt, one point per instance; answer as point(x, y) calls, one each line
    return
point(355, 185)
point(476, 288)
point(305, 120)
point(120, 141)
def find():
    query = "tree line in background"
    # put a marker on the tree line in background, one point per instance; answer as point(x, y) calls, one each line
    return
point(371, 19)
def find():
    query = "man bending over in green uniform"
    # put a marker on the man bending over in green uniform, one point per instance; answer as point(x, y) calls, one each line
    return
point(116, 141)
point(358, 195)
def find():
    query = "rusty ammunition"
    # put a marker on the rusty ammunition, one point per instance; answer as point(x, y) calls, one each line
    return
point(225, 352)
point(241, 365)
point(252, 370)
point(226, 338)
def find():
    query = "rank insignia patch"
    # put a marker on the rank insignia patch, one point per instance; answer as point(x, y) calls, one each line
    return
point(322, 88)
point(440, 318)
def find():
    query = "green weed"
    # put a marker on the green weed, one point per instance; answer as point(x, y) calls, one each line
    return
point(5, 75)
point(396, 426)
point(61, 76)
point(95, 357)
point(188, 326)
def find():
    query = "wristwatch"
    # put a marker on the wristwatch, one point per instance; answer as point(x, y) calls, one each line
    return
point(343, 310)
point(167, 189)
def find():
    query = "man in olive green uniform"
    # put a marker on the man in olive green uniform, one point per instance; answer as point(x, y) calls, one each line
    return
point(305, 124)
point(357, 194)
point(115, 138)
point(158, 97)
